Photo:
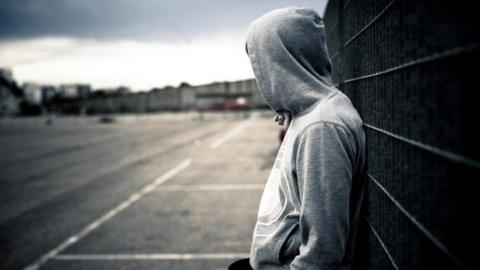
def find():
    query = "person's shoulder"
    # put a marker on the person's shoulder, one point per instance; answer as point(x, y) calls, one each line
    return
point(334, 115)
point(337, 110)
point(343, 109)
point(326, 128)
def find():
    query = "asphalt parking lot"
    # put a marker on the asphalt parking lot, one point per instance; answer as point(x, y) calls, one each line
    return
point(139, 193)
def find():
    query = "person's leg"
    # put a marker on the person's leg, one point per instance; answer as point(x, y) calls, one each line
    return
point(242, 264)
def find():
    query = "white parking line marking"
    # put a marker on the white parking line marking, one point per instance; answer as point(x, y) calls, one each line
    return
point(211, 187)
point(232, 133)
point(109, 215)
point(157, 256)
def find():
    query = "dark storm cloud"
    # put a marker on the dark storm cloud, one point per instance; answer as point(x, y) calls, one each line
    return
point(132, 19)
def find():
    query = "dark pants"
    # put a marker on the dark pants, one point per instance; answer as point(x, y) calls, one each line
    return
point(242, 264)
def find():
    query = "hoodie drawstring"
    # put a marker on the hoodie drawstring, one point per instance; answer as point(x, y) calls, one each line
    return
point(280, 118)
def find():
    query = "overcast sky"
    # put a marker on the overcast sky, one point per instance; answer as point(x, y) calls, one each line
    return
point(136, 43)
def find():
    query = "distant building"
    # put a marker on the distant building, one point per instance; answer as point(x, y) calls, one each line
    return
point(236, 95)
point(123, 90)
point(230, 96)
point(32, 93)
point(48, 92)
point(71, 91)
point(6, 74)
point(10, 94)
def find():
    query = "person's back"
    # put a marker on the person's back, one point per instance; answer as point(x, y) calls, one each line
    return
point(309, 210)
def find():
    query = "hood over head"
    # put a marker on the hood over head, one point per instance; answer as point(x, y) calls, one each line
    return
point(289, 57)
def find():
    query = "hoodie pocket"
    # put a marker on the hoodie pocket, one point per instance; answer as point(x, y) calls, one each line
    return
point(289, 247)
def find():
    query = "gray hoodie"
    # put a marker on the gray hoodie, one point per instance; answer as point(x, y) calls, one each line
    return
point(309, 209)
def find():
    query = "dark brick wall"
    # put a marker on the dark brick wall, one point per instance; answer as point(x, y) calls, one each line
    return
point(411, 68)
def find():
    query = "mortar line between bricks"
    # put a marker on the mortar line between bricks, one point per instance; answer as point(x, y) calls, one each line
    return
point(423, 60)
point(429, 148)
point(370, 23)
point(346, 5)
point(382, 244)
point(415, 222)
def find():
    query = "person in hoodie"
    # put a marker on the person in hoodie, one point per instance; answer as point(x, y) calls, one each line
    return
point(310, 206)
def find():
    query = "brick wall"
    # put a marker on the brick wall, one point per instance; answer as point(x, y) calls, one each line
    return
point(411, 69)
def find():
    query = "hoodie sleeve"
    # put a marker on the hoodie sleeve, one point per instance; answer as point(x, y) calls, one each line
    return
point(324, 172)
